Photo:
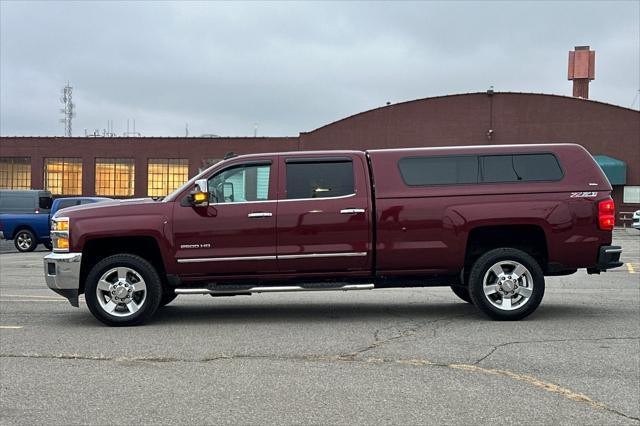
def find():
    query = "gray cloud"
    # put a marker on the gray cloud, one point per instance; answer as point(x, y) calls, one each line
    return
point(291, 67)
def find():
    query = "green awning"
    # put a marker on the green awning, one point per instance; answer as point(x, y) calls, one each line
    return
point(616, 170)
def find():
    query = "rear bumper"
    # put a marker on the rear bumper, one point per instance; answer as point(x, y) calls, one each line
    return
point(609, 258)
point(62, 274)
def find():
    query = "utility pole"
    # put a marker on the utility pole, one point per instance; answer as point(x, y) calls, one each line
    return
point(68, 109)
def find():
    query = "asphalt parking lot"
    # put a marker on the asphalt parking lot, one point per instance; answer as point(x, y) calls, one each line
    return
point(408, 356)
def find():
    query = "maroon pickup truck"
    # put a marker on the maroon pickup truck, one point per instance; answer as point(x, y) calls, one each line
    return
point(489, 221)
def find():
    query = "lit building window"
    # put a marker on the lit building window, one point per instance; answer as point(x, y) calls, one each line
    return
point(115, 177)
point(63, 176)
point(15, 173)
point(166, 175)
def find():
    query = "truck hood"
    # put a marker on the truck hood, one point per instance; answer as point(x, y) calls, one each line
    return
point(104, 207)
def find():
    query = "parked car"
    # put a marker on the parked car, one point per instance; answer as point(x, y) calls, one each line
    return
point(27, 230)
point(28, 201)
point(490, 221)
point(636, 219)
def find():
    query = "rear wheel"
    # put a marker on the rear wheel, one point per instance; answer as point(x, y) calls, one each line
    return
point(462, 292)
point(123, 289)
point(506, 284)
point(25, 240)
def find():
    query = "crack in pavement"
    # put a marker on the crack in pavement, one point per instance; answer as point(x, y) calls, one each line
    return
point(407, 332)
point(531, 380)
point(502, 345)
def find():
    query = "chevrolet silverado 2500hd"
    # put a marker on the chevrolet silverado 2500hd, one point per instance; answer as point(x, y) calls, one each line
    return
point(489, 221)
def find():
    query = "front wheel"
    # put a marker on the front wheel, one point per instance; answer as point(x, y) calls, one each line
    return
point(506, 284)
point(123, 289)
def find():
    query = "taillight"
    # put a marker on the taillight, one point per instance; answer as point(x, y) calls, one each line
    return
point(606, 215)
point(36, 210)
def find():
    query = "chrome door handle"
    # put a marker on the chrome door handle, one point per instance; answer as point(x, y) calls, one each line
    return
point(260, 214)
point(351, 211)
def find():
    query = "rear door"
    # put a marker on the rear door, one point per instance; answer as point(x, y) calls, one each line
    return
point(324, 214)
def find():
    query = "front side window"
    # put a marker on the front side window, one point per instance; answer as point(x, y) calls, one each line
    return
point(319, 179)
point(63, 176)
point(166, 175)
point(240, 184)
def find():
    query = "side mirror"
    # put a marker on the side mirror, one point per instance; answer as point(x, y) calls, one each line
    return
point(199, 195)
point(227, 192)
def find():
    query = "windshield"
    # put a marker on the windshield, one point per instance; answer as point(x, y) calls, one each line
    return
point(187, 184)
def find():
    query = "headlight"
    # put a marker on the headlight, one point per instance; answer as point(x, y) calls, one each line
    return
point(60, 224)
point(60, 234)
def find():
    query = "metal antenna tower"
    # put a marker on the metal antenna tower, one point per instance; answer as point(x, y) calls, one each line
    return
point(65, 99)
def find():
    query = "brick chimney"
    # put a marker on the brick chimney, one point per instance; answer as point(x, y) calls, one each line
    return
point(582, 69)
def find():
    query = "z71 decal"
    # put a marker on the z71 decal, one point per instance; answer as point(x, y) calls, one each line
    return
point(583, 194)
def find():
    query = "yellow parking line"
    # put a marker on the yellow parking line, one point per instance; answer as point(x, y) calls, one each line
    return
point(31, 300)
point(630, 268)
point(10, 327)
point(27, 296)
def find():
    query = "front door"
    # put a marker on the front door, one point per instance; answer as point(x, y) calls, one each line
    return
point(323, 215)
point(236, 234)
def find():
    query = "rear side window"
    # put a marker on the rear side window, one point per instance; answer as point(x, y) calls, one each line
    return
point(450, 170)
point(45, 202)
point(319, 179)
point(67, 203)
point(520, 168)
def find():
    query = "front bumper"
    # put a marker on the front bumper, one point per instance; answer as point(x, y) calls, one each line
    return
point(609, 257)
point(62, 273)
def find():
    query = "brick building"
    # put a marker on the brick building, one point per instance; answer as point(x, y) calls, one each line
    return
point(154, 166)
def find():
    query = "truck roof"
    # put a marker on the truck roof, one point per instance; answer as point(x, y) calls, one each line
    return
point(458, 149)
point(483, 149)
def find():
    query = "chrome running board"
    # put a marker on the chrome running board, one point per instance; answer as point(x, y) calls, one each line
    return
point(275, 289)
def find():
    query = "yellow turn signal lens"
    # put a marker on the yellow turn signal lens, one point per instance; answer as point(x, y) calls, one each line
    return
point(61, 243)
point(199, 197)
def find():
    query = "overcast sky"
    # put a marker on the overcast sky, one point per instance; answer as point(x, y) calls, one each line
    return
point(291, 67)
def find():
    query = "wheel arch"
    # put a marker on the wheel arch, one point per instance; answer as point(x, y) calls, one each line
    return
point(22, 227)
point(530, 238)
point(97, 249)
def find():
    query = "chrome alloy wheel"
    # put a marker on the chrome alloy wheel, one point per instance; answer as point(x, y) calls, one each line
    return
point(24, 240)
point(508, 285)
point(121, 291)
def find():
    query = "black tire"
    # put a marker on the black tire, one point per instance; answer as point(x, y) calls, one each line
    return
point(141, 267)
point(167, 297)
point(462, 293)
point(24, 240)
point(482, 267)
point(48, 245)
